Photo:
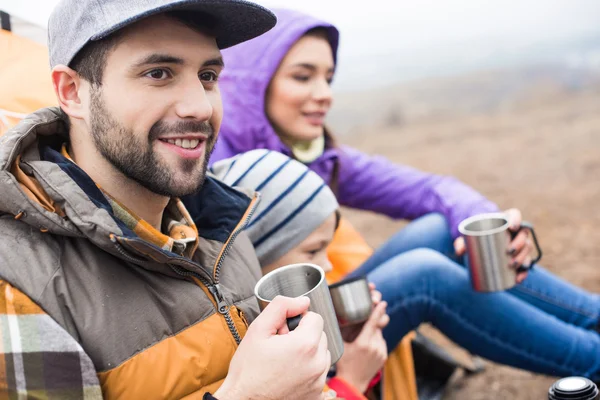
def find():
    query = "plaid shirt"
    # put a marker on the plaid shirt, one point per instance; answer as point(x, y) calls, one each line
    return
point(38, 358)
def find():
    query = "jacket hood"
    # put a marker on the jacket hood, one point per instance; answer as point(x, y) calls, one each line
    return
point(39, 192)
point(41, 188)
point(249, 69)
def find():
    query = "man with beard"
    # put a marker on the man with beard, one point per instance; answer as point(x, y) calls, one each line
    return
point(111, 286)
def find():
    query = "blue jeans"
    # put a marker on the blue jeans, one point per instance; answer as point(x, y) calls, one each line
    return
point(544, 325)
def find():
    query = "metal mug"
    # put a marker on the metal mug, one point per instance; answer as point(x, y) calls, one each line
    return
point(487, 238)
point(353, 306)
point(303, 280)
point(351, 300)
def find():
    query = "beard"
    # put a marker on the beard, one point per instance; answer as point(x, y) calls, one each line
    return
point(134, 155)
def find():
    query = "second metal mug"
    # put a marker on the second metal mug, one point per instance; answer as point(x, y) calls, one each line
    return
point(351, 301)
point(304, 280)
point(487, 237)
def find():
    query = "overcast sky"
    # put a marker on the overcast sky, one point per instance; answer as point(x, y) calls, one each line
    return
point(411, 29)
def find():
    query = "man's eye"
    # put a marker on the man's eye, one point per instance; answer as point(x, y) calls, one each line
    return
point(208, 76)
point(158, 74)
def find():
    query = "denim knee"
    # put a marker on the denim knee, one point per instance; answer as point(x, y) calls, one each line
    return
point(414, 284)
point(436, 221)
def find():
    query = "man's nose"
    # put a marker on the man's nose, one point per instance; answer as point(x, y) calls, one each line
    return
point(194, 103)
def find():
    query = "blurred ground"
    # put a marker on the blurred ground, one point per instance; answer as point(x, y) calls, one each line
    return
point(539, 152)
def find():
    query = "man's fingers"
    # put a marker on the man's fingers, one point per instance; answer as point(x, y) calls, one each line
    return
point(322, 349)
point(327, 367)
point(310, 328)
point(273, 318)
point(323, 355)
point(295, 306)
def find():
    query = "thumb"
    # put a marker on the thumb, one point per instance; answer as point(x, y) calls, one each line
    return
point(459, 246)
point(514, 217)
point(372, 324)
point(273, 318)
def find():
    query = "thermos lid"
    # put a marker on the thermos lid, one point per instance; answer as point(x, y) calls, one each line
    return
point(573, 388)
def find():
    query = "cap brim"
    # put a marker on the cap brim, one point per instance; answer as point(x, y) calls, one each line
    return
point(236, 21)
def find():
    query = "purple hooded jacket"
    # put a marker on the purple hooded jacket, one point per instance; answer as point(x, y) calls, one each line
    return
point(365, 182)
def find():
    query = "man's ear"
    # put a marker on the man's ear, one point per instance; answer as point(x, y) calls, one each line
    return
point(67, 86)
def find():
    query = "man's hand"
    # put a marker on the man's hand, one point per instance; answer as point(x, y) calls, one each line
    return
point(273, 363)
point(520, 248)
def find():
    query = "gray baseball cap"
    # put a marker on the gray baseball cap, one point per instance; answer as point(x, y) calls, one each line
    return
point(74, 23)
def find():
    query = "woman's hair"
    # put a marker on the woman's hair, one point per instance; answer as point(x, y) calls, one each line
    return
point(319, 31)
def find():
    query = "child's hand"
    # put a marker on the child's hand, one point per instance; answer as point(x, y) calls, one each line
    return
point(375, 294)
point(376, 299)
point(365, 356)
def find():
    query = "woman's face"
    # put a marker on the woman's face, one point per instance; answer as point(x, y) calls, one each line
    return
point(299, 95)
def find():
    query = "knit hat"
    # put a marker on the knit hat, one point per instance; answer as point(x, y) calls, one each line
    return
point(294, 200)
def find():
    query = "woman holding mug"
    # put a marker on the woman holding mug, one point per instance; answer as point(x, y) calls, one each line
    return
point(276, 94)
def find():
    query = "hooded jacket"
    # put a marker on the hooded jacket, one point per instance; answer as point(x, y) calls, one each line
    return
point(87, 303)
point(365, 182)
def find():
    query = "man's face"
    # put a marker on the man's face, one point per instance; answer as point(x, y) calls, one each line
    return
point(156, 116)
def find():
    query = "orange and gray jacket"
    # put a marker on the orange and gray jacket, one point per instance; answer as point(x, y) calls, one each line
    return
point(87, 308)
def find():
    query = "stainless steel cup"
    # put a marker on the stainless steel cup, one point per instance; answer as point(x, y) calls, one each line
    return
point(487, 239)
point(304, 280)
point(351, 301)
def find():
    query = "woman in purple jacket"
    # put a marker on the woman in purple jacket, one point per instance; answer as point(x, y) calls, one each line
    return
point(276, 93)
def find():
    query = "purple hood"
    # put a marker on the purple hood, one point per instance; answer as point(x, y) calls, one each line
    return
point(249, 69)
point(365, 182)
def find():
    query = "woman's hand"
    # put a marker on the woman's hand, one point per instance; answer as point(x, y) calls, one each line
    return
point(365, 356)
point(520, 248)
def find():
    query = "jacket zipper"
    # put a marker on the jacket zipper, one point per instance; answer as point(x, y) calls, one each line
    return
point(215, 290)
point(123, 252)
point(138, 260)
point(212, 285)
point(235, 233)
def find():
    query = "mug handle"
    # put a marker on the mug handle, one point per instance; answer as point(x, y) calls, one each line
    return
point(529, 227)
point(293, 322)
